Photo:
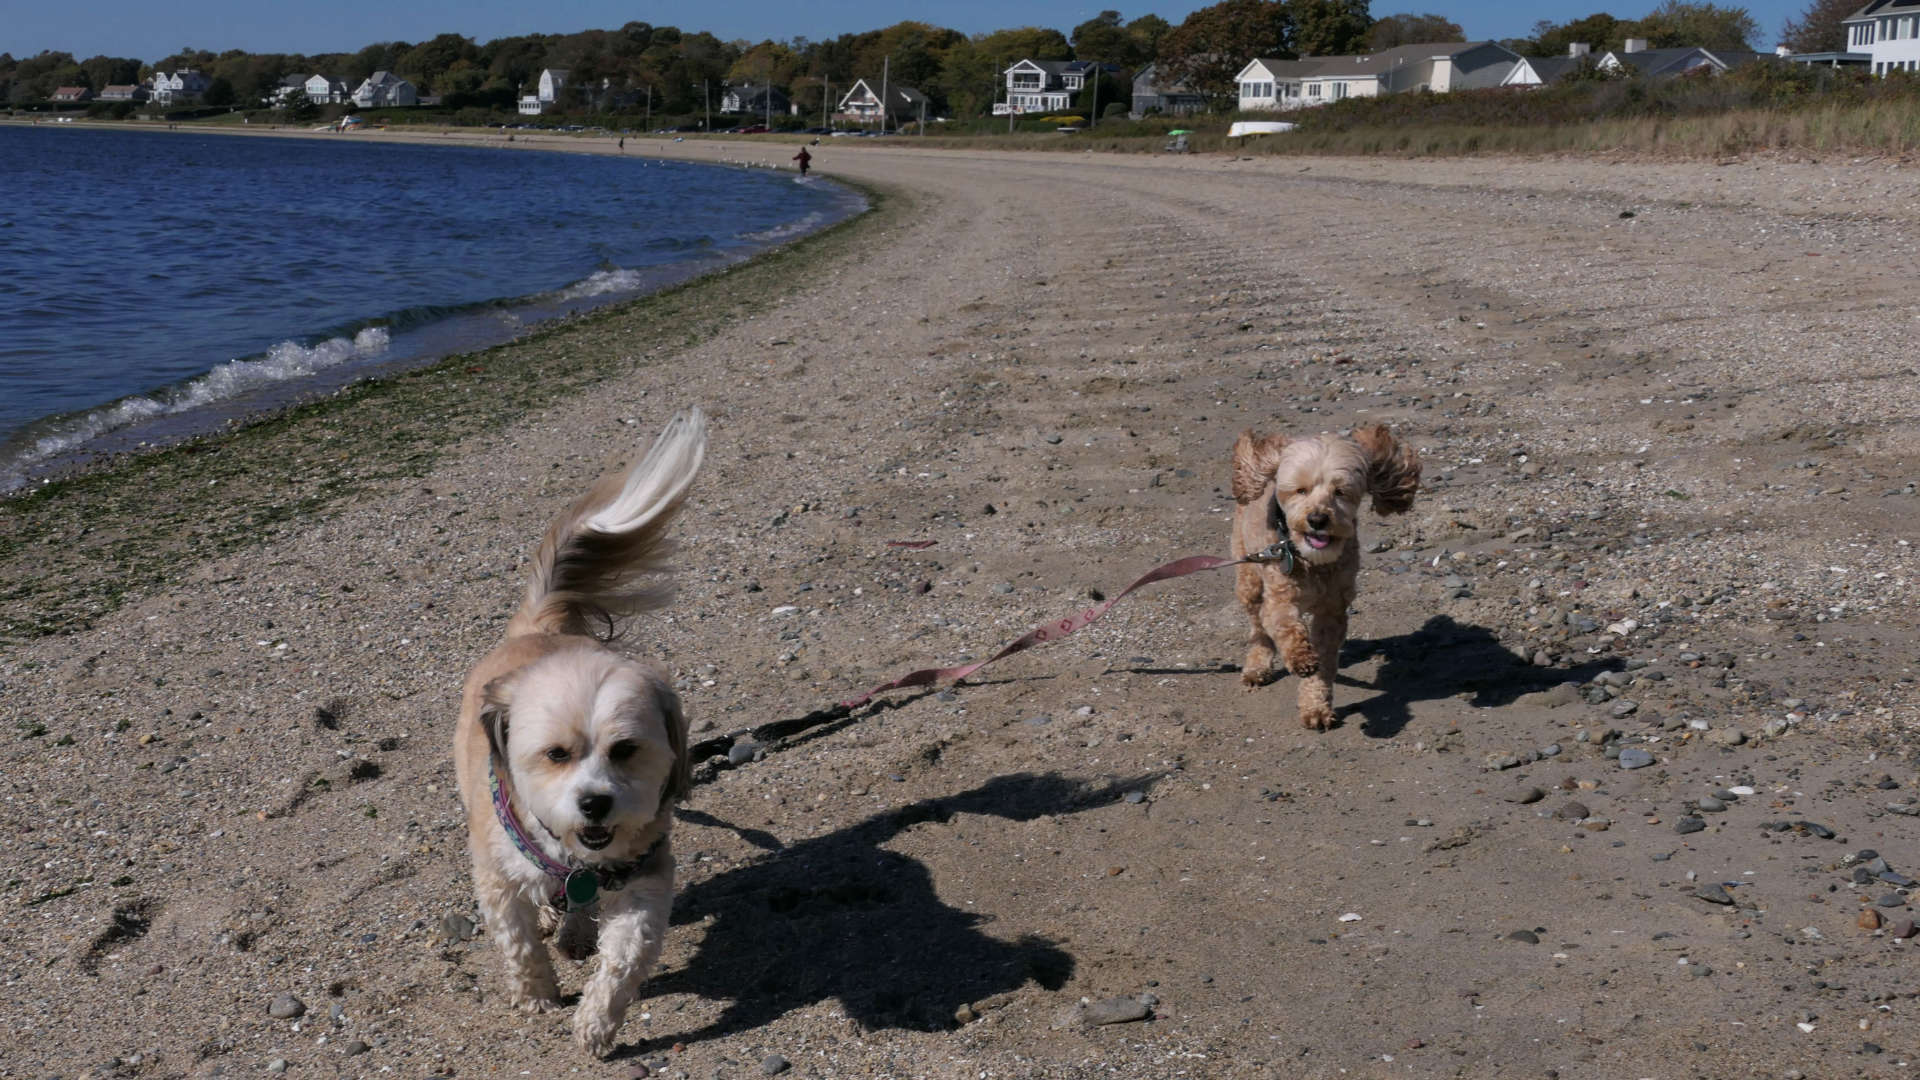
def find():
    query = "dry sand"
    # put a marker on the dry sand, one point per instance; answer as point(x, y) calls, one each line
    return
point(1698, 419)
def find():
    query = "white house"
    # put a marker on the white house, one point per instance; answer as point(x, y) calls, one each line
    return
point(1440, 67)
point(125, 92)
point(179, 87)
point(861, 104)
point(547, 92)
point(1045, 85)
point(322, 90)
point(384, 88)
point(1889, 32)
point(1274, 84)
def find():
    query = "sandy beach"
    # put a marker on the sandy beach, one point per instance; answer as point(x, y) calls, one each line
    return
point(1668, 414)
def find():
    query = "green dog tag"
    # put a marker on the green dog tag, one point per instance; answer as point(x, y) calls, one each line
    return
point(583, 887)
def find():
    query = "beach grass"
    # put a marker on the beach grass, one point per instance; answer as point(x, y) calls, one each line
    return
point(74, 548)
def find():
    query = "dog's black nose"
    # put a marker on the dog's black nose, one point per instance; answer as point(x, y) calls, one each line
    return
point(596, 806)
point(1318, 520)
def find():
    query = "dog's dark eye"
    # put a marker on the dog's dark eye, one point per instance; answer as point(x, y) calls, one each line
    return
point(558, 754)
point(621, 750)
point(1302, 491)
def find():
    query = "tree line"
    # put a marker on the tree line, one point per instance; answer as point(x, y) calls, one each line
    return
point(678, 70)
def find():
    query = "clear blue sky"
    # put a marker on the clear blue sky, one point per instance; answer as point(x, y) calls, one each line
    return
point(149, 30)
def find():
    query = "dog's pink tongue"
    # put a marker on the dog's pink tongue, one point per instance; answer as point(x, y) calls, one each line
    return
point(1316, 541)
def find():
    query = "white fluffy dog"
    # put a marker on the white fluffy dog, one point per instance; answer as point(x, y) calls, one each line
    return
point(571, 755)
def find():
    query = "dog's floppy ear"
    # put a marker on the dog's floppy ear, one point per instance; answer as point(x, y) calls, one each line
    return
point(495, 698)
point(1255, 457)
point(1393, 469)
point(680, 780)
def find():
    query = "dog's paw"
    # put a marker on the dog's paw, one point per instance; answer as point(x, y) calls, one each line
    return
point(594, 1032)
point(535, 1003)
point(1300, 659)
point(1316, 717)
point(1254, 678)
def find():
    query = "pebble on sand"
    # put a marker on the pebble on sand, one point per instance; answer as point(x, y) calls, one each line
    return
point(287, 1007)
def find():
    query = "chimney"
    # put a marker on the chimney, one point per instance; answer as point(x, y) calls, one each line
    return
point(1578, 48)
point(1636, 44)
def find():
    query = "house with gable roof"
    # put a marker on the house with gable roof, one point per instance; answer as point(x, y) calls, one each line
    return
point(1635, 58)
point(179, 87)
point(862, 105)
point(1888, 31)
point(1154, 92)
point(324, 90)
point(547, 93)
point(384, 88)
point(1440, 67)
point(754, 100)
point(1534, 71)
point(1047, 85)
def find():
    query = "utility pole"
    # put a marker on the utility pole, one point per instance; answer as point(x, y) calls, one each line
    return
point(769, 124)
point(649, 106)
point(826, 95)
point(1095, 117)
point(706, 102)
point(923, 117)
point(885, 64)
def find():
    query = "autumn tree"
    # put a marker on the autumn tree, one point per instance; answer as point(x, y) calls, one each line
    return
point(1330, 27)
point(1818, 29)
point(1396, 30)
point(1677, 24)
point(1211, 46)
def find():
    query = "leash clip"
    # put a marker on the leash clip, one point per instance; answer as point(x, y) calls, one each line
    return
point(1281, 551)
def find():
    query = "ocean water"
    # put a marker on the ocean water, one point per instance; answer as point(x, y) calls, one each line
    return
point(154, 283)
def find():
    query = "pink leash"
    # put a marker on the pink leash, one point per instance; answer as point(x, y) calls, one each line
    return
point(1053, 631)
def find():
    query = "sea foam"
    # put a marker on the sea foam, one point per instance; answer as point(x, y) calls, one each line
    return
point(287, 360)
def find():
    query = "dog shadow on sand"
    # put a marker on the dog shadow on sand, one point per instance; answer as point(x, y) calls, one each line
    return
point(1441, 659)
point(841, 917)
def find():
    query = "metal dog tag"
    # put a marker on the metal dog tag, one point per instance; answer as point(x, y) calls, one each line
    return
point(582, 888)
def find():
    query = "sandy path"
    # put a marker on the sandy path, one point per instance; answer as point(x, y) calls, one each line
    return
point(1700, 417)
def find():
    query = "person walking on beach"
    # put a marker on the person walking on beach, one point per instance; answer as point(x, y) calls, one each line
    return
point(804, 159)
point(623, 144)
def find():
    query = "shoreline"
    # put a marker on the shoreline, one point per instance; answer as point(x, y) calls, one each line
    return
point(78, 453)
point(160, 488)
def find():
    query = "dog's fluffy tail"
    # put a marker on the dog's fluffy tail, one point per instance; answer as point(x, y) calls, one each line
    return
point(590, 568)
point(1393, 469)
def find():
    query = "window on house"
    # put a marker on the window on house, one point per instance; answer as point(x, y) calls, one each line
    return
point(1339, 90)
point(1313, 89)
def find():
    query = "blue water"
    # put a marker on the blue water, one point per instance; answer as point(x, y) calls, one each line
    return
point(154, 283)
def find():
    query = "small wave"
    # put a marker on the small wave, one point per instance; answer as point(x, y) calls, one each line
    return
point(791, 229)
point(287, 360)
point(602, 282)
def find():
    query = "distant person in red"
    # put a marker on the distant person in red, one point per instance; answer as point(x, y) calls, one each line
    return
point(804, 159)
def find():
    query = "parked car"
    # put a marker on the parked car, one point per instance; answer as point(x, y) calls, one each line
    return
point(757, 129)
